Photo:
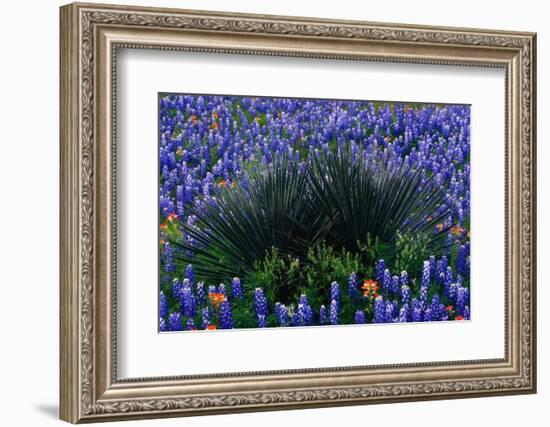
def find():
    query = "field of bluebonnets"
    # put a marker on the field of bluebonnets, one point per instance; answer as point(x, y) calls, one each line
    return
point(298, 212)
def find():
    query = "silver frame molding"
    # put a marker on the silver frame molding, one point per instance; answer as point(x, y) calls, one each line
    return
point(90, 37)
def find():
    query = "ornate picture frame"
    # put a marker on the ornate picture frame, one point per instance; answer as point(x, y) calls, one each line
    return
point(90, 37)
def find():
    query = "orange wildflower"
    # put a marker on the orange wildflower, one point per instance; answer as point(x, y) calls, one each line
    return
point(440, 227)
point(214, 125)
point(457, 230)
point(211, 327)
point(459, 318)
point(222, 183)
point(193, 119)
point(216, 298)
point(214, 115)
point(450, 307)
point(172, 217)
point(370, 288)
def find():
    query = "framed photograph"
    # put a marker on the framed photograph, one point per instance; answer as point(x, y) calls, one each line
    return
point(267, 212)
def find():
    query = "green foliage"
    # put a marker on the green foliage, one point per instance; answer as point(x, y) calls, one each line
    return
point(325, 265)
point(410, 251)
point(281, 277)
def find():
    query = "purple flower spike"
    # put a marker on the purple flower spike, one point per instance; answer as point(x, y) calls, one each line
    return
point(379, 271)
point(379, 310)
point(236, 288)
point(353, 283)
point(333, 312)
point(175, 322)
point(323, 320)
point(260, 307)
point(226, 315)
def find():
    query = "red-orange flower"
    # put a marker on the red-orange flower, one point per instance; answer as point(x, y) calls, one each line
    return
point(193, 119)
point(172, 217)
point(450, 307)
point(459, 318)
point(370, 288)
point(457, 230)
point(211, 327)
point(214, 125)
point(222, 183)
point(440, 227)
point(216, 298)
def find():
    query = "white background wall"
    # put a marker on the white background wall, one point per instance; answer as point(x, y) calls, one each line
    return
point(29, 170)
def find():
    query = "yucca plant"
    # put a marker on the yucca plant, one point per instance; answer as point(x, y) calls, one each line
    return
point(343, 199)
point(367, 198)
point(239, 226)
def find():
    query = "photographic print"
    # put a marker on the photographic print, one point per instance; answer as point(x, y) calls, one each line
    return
point(282, 212)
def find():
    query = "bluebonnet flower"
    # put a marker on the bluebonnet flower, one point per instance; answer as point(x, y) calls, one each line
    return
point(417, 310)
point(333, 312)
point(323, 320)
point(394, 287)
point(226, 315)
point(236, 288)
point(379, 310)
point(425, 279)
point(404, 278)
point(463, 260)
point(466, 313)
point(168, 258)
point(360, 317)
point(428, 315)
point(260, 307)
point(205, 317)
point(187, 299)
point(353, 284)
point(335, 294)
point(437, 309)
point(201, 294)
point(379, 271)
point(175, 321)
point(163, 303)
point(281, 314)
point(441, 269)
point(406, 294)
point(387, 281)
point(432, 265)
point(304, 314)
point(162, 325)
point(404, 313)
point(448, 281)
point(390, 312)
point(460, 300)
point(222, 289)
